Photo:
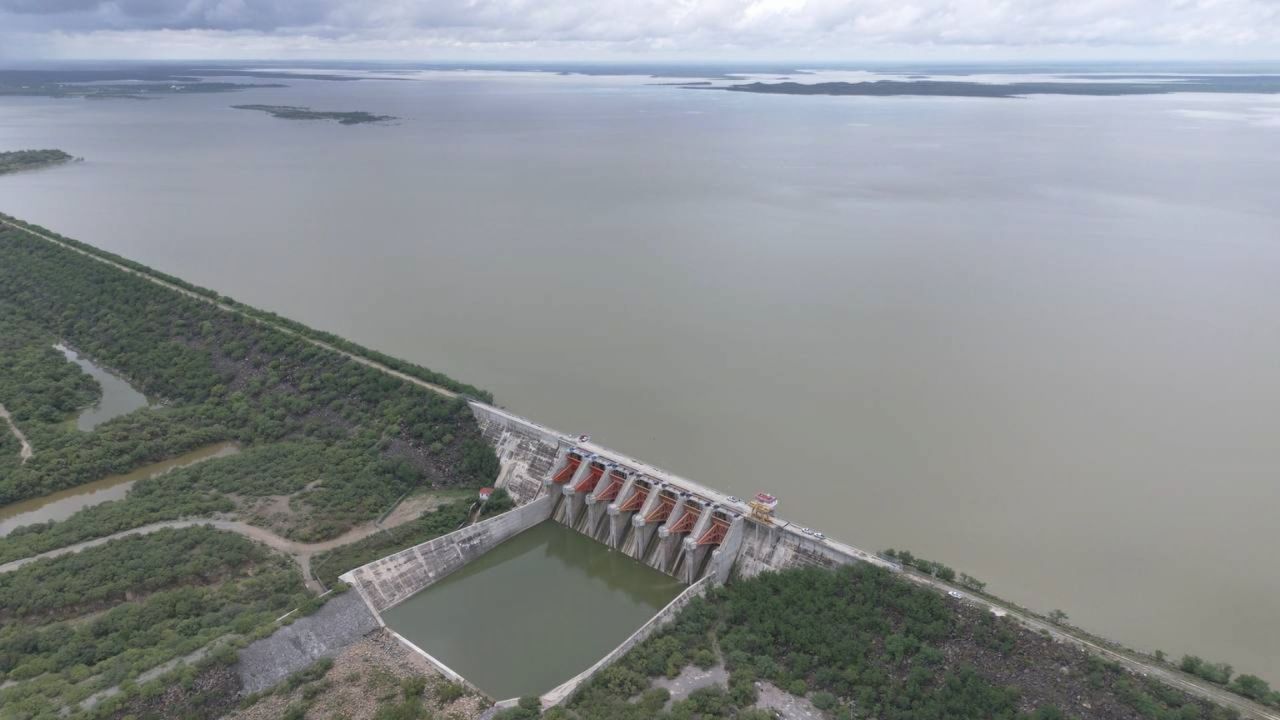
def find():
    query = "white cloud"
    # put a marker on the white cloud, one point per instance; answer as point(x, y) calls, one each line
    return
point(796, 28)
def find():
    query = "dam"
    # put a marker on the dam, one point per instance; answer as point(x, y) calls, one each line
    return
point(687, 536)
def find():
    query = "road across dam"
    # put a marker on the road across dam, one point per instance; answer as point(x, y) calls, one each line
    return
point(676, 526)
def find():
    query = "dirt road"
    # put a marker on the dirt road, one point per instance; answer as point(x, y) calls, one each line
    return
point(299, 551)
point(26, 452)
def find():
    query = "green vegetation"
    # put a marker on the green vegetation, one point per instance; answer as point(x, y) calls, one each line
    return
point(168, 593)
point(410, 369)
point(292, 112)
point(860, 642)
point(9, 450)
point(340, 439)
point(327, 442)
point(37, 383)
point(936, 569)
point(203, 690)
point(127, 568)
point(31, 159)
point(1250, 686)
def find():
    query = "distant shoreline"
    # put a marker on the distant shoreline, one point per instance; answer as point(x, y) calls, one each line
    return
point(293, 112)
point(1265, 84)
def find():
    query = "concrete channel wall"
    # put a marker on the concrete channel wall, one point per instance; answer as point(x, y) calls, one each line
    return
point(387, 582)
point(663, 618)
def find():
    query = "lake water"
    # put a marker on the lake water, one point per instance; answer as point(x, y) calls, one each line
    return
point(64, 504)
point(576, 600)
point(118, 396)
point(1034, 339)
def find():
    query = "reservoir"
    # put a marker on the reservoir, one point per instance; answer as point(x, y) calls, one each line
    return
point(534, 611)
point(62, 505)
point(118, 397)
point(1033, 339)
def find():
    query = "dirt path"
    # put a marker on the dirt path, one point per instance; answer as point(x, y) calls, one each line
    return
point(26, 452)
point(299, 551)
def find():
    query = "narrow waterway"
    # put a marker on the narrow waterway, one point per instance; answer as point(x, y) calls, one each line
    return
point(118, 396)
point(62, 505)
point(534, 611)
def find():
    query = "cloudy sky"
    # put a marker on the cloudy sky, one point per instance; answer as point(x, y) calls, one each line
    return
point(638, 29)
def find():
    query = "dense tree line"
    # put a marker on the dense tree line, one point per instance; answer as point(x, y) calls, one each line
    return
point(1250, 686)
point(936, 569)
point(37, 384)
point(130, 567)
point(860, 642)
point(221, 377)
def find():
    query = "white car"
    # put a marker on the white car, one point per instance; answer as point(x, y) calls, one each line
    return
point(955, 594)
point(734, 499)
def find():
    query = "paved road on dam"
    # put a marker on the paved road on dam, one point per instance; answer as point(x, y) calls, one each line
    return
point(302, 552)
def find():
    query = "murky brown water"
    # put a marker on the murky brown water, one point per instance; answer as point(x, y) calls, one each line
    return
point(118, 396)
point(62, 505)
point(1035, 339)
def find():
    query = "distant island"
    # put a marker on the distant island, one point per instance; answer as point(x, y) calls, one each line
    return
point(293, 112)
point(31, 159)
point(1131, 85)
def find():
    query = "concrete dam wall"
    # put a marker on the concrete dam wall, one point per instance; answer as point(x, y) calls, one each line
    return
point(677, 526)
point(671, 523)
point(389, 581)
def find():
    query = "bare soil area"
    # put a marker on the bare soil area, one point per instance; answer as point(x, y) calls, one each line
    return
point(365, 677)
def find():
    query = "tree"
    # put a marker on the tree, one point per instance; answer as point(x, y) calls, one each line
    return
point(1252, 686)
point(1057, 617)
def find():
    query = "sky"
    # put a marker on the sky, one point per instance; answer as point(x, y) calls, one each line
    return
point(640, 29)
